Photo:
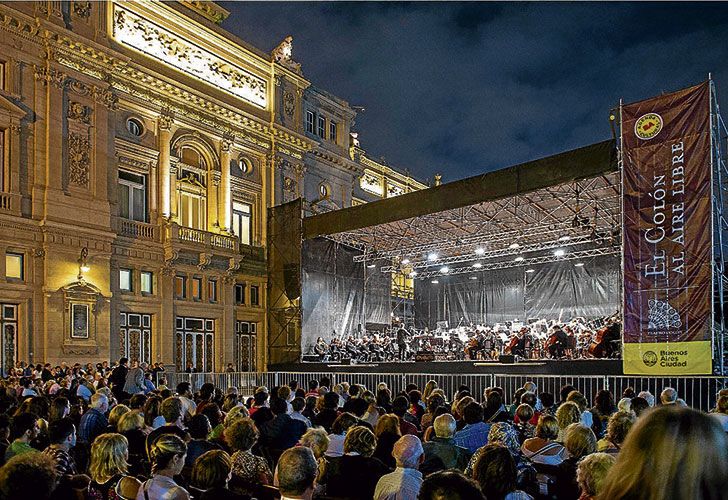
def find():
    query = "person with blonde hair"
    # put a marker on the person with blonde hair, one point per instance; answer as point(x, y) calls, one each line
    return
point(671, 453)
point(586, 416)
point(108, 468)
point(115, 415)
point(167, 455)
point(591, 472)
point(316, 439)
point(617, 428)
point(356, 473)
point(387, 432)
point(131, 426)
point(543, 448)
point(580, 441)
point(567, 414)
point(430, 386)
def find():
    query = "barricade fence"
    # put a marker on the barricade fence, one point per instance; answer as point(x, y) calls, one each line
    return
point(697, 392)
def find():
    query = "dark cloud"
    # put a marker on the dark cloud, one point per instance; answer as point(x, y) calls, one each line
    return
point(462, 88)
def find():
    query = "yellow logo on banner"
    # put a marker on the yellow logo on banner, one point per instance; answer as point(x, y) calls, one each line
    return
point(668, 358)
point(648, 126)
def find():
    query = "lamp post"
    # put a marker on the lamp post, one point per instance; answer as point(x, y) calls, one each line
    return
point(82, 265)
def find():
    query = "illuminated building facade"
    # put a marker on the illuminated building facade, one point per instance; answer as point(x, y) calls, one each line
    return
point(140, 145)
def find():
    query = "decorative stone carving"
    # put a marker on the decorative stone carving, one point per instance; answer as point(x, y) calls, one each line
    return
point(204, 262)
point(46, 76)
point(79, 159)
point(228, 139)
point(77, 111)
point(283, 54)
point(106, 97)
point(289, 104)
point(82, 9)
point(289, 185)
point(166, 119)
point(134, 31)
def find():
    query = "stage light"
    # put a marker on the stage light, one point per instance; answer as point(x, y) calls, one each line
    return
point(530, 271)
point(519, 258)
point(479, 251)
point(371, 266)
point(565, 237)
point(579, 264)
point(405, 261)
point(413, 273)
point(432, 256)
point(513, 246)
point(473, 277)
point(434, 282)
point(478, 264)
point(559, 252)
point(444, 269)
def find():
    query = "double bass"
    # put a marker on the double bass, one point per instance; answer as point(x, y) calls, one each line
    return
point(512, 344)
point(601, 346)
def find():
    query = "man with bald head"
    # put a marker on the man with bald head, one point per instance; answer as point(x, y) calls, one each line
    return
point(441, 452)
point(404, 483)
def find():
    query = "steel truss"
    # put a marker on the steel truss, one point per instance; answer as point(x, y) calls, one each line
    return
point(544, 259)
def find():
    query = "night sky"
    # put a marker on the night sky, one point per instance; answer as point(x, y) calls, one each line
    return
point(464, 88)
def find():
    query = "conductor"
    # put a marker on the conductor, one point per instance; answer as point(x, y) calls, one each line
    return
point(402, 337)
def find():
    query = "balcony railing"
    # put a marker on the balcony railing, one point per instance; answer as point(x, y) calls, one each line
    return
point(202, 238)
point(136, 229)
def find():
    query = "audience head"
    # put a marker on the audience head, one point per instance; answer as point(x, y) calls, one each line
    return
point(62, 432)
point(624, 404)
point(171, 410)
point(529, 398)
point(445, 426)
point(116, 413)
point(133, 420)
point(212, 470)
point(297, 470)
point(278, 406)
point(524, 412)
point(408, 452)
point(24, 426)
point(671, 452)
point(361, 440)
point(400, 406)
point(100, 402)
point(547, 399)
point(547, 427)
point(109, 454)
point(387, 424)
point(342, 423)
point(722, 404)
point(298, 404)
point(449, 485)
point(331, 400)
point(495, 471)
point(668, 396)
point(567, 414)
point(619, 425)
point(317, 440)
point(638, 405)
point(565, 391)
point(473, 413)
point(168, 453)
point(28, 476)
point(241, 435)
point(647, 396)
point(504, 434)
point(199, 427)
point(580, 440)
point(579, 399)
point(592, 471)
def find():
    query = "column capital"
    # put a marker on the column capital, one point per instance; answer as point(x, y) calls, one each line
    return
point(166, 119)
point(228, 139)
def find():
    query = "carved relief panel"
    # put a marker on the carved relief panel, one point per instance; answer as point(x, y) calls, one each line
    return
point(79, 158)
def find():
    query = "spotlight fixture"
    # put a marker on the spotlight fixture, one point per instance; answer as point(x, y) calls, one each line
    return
point(473, 277)
point(519, 258)
point(444, 269)
point(478, 265)
point(560, 252)
point(432, 256)
point(434, 282)
point(513, 246)
point(529, 271)
point(405, 261)
point(479, 251)
point(579, 264)
point(565, 237)
point(371, 266)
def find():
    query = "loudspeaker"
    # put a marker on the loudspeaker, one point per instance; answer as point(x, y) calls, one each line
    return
point(507, 359)
point(345, 361)
point(310, 358)
point(292, 280)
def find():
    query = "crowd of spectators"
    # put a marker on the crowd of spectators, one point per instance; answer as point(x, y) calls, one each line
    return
point(117, 431)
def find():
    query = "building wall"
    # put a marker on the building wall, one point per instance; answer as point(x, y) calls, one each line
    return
point(95, 94)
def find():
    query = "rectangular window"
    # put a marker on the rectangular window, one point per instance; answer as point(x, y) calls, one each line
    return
point(192, 210)
point(147, 286)
point(309, 121)
point(196, 288)
point(132, 196)
point(332, 131)
point(322, 127)
point(242, 227)
point(14, 266)
point(180, 287)
point(254, 296)
point(212, 290)
point(2, 75)
point(3, 132)
point(239, 294)
point(125, 280)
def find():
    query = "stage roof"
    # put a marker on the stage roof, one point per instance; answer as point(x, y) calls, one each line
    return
point(517, 216)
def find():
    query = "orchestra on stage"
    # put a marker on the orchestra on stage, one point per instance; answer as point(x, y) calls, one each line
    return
point(538, 340)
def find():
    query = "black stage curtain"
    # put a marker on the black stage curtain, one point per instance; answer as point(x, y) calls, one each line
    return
point(553, 291)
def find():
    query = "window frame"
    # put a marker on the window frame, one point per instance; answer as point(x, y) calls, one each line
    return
point(131, 186)
point(241, 214)
point(131, 279)
point(321, 126)
point(333, 131)
point(310, 123)
point(142, 274)
point(255, 295)
point(183, 279)
point(240, 286)
point(21, 257)
point(212, 292)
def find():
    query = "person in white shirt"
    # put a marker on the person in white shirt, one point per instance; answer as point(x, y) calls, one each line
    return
point(405, 482)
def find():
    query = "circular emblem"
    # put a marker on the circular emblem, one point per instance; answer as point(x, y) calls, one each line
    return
point(649, 358)
point(648, 126)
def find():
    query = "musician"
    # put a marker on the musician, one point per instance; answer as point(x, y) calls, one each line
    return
point(558, 342)
point(518, 348)
point(321, 349)
point(570, 342)
point(402, 338)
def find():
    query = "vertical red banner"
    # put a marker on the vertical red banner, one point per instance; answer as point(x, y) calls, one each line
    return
point(667, 234)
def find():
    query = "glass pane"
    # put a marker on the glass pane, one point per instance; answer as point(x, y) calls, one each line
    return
point(125, 279)
point(124, 201)
point(236, 224)
point(245, 230)
point(184, 215)
point(146, 282)
point(14, 266)
point(196, 288)
point(179, 287)
point(139, 213)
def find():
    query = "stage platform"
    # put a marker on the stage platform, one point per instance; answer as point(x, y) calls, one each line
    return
point(532, 367)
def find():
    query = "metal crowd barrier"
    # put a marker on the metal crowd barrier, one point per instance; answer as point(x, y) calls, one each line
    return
point(697, 392)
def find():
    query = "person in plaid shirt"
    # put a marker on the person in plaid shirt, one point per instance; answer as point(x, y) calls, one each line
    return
point(62, 436)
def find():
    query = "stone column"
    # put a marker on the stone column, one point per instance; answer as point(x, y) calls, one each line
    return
point(165, 138)
point(225, 206)
point(213, 204)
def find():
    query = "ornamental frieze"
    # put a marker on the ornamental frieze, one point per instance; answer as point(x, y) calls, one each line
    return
point(79, 159)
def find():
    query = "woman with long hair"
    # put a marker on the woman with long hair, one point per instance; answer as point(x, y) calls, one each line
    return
point(168, 459)
point(387, 433)
point(567, 414)
point(671, 453)
point(108, 468)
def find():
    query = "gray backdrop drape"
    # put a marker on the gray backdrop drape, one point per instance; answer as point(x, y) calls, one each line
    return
point(555, 290)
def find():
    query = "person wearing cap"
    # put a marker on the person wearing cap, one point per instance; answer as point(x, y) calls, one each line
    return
point(405, 482)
